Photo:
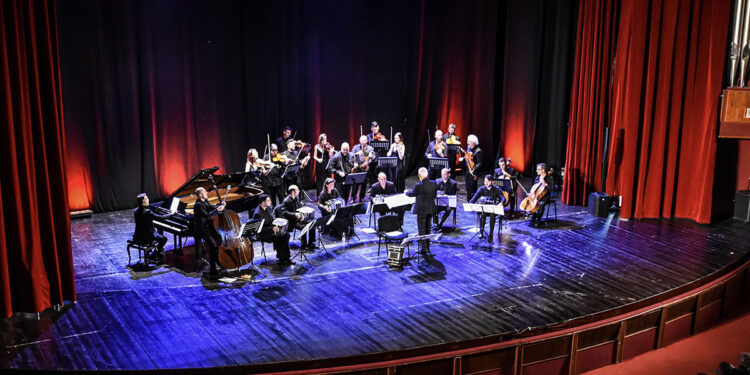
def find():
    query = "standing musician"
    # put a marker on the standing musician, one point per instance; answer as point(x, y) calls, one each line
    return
point(322, 153)
point(340, 166)
point(288, 209)
point(286, 136)
point(145, 233)
point(452, 139)
point(425, 192)
point(471, 174)
point(205, 230)
point(364, 156)
point(259, 167)
point(436, 149)
point(546, 181)
point(447, 186)
point(398, 149)
point(270, 233)
point(375, 133)
point(493, 196)
point(383, 188)
point(506, 172)
point(291, 155)
point(325, 197)
point(272, 184)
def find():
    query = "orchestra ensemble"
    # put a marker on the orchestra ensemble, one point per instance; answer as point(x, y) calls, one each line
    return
point(358, 176)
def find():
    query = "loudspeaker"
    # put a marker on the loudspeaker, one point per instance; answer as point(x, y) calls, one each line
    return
point(599, 204)
point(742, 205)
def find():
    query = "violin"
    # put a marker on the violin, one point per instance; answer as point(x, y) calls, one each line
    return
point(470, 163)
point(378, 136)
point(299, 144)
point(280, 158)
point(453, 140)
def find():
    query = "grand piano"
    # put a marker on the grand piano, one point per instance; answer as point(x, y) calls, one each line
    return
point(241, 197)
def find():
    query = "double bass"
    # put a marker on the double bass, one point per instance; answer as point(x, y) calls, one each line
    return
point(234, 251)
point(531, 203)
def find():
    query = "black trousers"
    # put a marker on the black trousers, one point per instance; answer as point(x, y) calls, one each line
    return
point(280, 244)
point(537, 216)
point(160, 241)
point(274, 192)
point(448, 212)
point(424, 222)
point(309, 238)
point(471, 186)
point(493, 218)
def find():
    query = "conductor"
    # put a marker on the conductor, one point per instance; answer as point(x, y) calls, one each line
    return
point(425, 193)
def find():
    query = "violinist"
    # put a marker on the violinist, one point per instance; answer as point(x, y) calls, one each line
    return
point(436, 149)
point(286, 136)
point(398, 149)
point(489, 194)
point(340, 166)
point(473, 158)
point(548, 183)
point(205, 232)
point(506, 172)
point(272, 184)
point(291, 155)
point(452, 139)
point(364, 156)
point(322, 153)
point(375, 133)
point(269, 233)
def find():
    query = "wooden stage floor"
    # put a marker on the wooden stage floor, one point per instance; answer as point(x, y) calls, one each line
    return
point(350, 302)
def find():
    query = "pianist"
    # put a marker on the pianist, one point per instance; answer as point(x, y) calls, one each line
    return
point(446, 186)
point(144, 225)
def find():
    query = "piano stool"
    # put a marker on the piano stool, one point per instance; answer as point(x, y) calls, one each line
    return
point(143, 249)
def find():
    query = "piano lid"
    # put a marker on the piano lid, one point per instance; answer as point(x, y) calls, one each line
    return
point(203, 179)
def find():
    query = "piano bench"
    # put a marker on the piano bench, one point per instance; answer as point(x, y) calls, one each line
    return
point(143, 249)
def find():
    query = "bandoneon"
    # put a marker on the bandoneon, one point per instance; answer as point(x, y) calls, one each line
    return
point(282, 225)
point(308, 214)
point(336, 203)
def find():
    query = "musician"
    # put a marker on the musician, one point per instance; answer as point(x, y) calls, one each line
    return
point(259, 167)
point(272, 183)
point(340, 166)
point(549, 184)
point(145, 233)
point(506, 172)
point(446, 186)
point(471, 175)
point(291, 155)
point(398, 149)
point(286, 136)
point(205, 232)
point(493, 196)
point(364, 156)
point(329, 193)
point(375, 133)
point(451, 138)
point(383, 188)
point(289, 210)
point(322, 153)
point(270, 233)
point(425, 192)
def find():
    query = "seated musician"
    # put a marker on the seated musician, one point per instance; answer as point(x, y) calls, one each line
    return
point(286, 136)
point(436, 149)
point(270, 233)
point(446, 186)
point(288, 209)
point(489, 194)
point(383, 188)
point(205, 232)
point(506, 172)
point(145, 233)
point(545, 178)
point(325, 199)
point(364, 156)
point(340, 166)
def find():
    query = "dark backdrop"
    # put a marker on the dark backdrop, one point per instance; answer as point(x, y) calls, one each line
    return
point(154, 90)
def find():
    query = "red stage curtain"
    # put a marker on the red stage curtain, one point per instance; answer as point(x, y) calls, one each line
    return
point(663, 114)
point(36, 266)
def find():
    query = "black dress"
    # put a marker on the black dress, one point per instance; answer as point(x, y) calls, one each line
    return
point(320, 168)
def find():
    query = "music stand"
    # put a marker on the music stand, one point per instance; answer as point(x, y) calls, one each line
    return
point(503, 184)
point(453, 149)
point(449, 202)
point(387, 161)
point(293, 168)
point(380, 146)
point(355, 178)
point(318, 225)
point(421, 238)
point(350, 212)
point(496, 209)
point(436, 164)
point(301, 252)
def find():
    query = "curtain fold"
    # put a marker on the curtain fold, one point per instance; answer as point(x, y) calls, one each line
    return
point(36, 267)
point(663, 114)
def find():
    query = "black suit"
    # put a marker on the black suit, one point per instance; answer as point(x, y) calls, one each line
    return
point(495, 195)
point(448, 188)
point(471, 182)
point(425, 193)
point(342, 163)
point(205, 230)
point(280, 243)
point(390, 189)
point(288, 209)
point(144, 227)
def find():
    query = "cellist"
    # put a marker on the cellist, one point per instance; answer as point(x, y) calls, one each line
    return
point(546, 182)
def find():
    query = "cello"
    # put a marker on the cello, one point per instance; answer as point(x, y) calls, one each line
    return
point(531, 203)
point(234, 251)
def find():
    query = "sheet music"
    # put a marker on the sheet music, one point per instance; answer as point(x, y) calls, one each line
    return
point(398, 200)
point(174, 204)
